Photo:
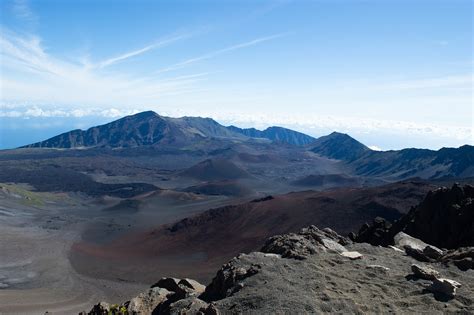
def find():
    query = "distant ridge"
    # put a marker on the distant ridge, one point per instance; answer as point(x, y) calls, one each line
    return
point(148, 128)
point(276, 134)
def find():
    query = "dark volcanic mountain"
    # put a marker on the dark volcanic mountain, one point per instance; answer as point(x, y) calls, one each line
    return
point(406, 163)
point(146, 128)
point(276, 134)
point(339, 146)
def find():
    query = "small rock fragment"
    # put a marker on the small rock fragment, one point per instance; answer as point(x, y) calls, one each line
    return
point(352, 255)
point(272, 255)
point(378, 268)
point(424, 272)
point(192, 284)
point(396, 249)
point(333, 245)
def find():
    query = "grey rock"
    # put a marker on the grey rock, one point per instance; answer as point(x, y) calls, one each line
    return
point(417, 254)
point(193, 285)
point(396, 249)
point(308, 241)
point(432, 252)
point(464, 263)
point(333, 245)
point(445, 286)
point(402, 239)
point(463, 258)
point(228, 279)
point(378, 268)
point(188, 306)
point(170, 284)
point(147, 301)
point(181, 287)
point(424, 272)
point(352, 255)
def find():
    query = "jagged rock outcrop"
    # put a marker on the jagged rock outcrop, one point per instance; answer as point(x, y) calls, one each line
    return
point(445, 219)
point(377, 233)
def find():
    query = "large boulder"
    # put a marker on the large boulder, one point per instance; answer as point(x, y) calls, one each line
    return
point(308, 241)
point(187, 306)
point(148, 301)
point(444, 286)
point(403, 240)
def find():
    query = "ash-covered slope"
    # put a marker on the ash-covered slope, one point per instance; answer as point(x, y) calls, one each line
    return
point(215, 169)
point(214, 236)
point(276, 134)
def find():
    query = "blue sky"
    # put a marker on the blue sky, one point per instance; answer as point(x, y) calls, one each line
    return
point(391, 73)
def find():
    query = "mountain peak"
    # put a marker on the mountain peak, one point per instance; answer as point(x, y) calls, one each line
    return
point(145, 114)
point(339, 146)
point(141, 129)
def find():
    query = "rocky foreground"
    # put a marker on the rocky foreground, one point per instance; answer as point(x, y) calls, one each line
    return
point(317, 271)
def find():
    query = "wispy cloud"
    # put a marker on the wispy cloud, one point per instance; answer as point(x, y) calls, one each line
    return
point(22, 10)
point(59, 80)
point(137, 52)
point(216, 53)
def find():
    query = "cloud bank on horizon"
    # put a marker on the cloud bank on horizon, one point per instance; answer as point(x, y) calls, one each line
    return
point(315, 67)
